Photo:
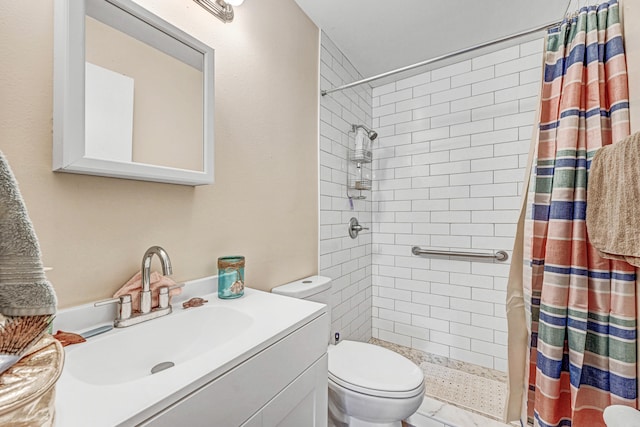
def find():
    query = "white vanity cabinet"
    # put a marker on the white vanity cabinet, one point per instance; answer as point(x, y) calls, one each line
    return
point(283, 385)
point(259, 360)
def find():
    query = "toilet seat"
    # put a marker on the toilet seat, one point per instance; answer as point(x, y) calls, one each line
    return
point(378, 393)
point(374, 370)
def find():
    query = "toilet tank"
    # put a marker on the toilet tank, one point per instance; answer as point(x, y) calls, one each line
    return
point(314, 288)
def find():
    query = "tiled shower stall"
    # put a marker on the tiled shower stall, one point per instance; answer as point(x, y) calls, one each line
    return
point(448, 172)
point(347, 261)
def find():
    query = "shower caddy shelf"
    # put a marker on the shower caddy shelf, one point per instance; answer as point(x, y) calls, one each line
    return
point(359, 158)
point(359, 173)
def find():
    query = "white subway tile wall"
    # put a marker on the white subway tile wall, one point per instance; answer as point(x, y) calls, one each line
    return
point(347, 261)
point(448, 172)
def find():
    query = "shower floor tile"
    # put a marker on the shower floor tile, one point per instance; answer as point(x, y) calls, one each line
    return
point(479, 392)
point(468, 391)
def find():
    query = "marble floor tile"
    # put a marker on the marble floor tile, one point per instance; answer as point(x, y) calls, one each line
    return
point(435, 411)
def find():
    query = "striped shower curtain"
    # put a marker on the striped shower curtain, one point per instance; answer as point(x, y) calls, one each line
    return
point(581, 307)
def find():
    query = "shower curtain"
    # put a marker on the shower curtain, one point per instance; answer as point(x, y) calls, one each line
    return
point(579, 309)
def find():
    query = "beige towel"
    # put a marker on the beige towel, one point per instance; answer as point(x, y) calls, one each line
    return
point(613, 200)
point(134, 287)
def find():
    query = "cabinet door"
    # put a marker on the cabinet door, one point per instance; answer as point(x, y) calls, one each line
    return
point(303, 402)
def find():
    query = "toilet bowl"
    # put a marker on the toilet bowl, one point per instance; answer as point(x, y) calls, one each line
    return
point(369, 386)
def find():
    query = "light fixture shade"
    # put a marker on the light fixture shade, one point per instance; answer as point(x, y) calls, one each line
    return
point(234, 2)
point(218, 8)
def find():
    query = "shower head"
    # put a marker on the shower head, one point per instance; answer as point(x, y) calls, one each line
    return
point(371, 134)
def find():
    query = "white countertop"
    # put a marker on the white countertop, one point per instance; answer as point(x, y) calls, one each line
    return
point(80, 403)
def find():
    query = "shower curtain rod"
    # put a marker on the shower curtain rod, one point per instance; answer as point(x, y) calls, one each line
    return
point(442, 57)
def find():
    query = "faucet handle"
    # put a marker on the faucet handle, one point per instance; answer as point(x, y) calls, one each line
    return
point(163, 297)
point(163, 294)
point(126, 298)
point(124, 305)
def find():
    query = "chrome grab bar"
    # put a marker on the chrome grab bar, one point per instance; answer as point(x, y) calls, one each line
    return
point(498, 256)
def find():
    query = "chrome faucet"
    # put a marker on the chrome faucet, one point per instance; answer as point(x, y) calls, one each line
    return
point(125, 315)
point(165, 262)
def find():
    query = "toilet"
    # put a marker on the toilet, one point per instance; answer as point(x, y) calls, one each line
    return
point(369, 386)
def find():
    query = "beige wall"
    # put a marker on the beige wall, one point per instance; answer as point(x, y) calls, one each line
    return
point(93, 231)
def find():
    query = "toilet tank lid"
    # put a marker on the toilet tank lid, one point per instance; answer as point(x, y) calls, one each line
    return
point(304, 288)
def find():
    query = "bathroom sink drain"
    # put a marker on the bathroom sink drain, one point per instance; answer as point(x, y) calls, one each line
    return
point(161, 367)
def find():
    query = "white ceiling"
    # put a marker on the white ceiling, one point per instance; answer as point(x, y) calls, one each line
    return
point(379, 36)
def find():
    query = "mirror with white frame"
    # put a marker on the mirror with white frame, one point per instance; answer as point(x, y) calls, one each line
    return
point(133, 95)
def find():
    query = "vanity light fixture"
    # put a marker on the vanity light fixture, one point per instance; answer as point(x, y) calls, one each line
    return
point(221, 9)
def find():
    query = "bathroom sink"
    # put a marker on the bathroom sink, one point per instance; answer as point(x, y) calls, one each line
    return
point(107, 381)
point(128, 354)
